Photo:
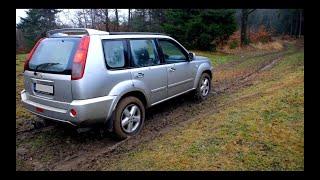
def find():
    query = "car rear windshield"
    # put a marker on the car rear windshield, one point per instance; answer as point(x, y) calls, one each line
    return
point(54, 55)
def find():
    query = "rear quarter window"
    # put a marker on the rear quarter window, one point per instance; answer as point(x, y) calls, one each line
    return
point(114, 52)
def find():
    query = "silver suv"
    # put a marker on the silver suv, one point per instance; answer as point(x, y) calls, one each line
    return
point(85, 76)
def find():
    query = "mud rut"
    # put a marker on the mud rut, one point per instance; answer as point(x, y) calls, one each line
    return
point(85, 150)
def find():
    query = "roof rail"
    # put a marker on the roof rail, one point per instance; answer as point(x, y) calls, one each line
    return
point(76, 31)
point(135, 33)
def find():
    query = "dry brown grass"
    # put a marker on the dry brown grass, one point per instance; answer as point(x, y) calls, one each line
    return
point(276, 45)
point(270, 46)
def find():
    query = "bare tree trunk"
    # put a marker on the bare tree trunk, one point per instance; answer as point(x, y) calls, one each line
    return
point(107, 19)
point(117, 19)
point(129, 19)
point(300, 23)
point(244, 20)
point(244, 23)
point(296, 29)
point(291, 27)
point(144, 16)
point(85, 18)
point(150, 19)
point(92, 13)
point(269, 25)
point(249, 31)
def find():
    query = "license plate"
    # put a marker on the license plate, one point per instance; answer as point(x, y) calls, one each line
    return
point(46, 89)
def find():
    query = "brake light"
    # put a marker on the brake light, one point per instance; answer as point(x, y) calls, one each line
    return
point(79, 60)
point(29, 56)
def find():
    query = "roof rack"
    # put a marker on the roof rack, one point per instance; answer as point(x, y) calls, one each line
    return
point(86, 31)
point(75, 31)
point(135, 33)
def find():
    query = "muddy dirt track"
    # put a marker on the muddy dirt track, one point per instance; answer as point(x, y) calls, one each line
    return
point(62, 148)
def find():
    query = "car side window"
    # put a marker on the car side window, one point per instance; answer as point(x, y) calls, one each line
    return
point(144, 53)
point(114, 53)
point(171, 52)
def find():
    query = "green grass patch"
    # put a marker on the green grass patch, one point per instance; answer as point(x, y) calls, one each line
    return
point(261, 129)
point(21, 113)
point(215, 57)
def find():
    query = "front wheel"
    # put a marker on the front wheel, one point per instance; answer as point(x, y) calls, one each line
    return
point(203, 88)
point(129, 117)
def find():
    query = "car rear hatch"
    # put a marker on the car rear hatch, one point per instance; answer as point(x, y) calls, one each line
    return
point(48, 72)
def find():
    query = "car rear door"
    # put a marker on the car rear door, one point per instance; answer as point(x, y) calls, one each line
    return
point(48, 73)
point(147, 70)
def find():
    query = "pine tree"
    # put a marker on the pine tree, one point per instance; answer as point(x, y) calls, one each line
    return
point(202, 29)
point(37, 23)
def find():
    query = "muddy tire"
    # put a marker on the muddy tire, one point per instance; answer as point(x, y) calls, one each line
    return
point(204, 87)
point(128, 119)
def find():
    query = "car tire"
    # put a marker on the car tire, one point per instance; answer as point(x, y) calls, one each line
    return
point(204, 87)
point(128, 118)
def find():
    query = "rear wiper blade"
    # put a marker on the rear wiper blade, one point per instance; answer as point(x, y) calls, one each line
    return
point(45, 65)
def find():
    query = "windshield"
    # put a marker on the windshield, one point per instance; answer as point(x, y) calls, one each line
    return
point(57, 53)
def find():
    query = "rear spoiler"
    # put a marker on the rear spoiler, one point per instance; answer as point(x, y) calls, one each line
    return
point(75, 31)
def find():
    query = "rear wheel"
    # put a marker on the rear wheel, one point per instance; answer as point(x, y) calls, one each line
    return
point(203, 88)
point(129, 117)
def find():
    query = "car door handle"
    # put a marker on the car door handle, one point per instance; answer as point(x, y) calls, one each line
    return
point(139, 75)
point(172, 69)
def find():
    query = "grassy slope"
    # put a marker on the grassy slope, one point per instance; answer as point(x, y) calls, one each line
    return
point(262, 129)
point(21, 113)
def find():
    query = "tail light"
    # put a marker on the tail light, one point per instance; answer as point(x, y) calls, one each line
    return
point(29, 56)
point(79, 61)
point(73, 113)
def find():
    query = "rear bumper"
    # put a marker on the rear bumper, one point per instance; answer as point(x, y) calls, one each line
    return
point(89, 111)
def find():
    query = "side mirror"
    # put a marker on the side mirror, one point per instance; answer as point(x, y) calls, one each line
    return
point(191, 56)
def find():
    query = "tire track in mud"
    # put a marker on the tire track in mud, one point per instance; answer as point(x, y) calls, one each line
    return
point(37, 126)
point(159, 120)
